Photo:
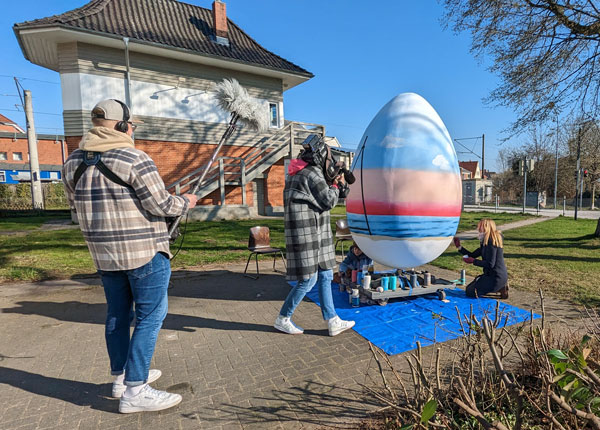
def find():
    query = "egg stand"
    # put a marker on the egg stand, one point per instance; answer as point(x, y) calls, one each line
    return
point(411, 283)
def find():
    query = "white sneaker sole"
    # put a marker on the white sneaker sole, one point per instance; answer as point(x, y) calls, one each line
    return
point(340, 330)
point(283, 330)
point(118, 391)
point(125, 409)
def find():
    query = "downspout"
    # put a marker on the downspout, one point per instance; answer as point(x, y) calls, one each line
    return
point(127, 75)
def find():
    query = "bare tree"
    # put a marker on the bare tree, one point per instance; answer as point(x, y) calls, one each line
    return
point(589, 151)
point(547, 53)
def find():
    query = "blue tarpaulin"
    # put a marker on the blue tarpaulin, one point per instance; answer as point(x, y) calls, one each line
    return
point(398, 326)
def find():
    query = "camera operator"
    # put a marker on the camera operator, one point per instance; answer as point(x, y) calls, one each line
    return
point(121, 204)
point(312, 188)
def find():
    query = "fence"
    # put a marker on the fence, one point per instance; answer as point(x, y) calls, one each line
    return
point(586, 203)
point(17, 197)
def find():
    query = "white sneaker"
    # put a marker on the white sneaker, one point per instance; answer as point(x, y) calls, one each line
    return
point(286, 325)
point(119, 388)
point(147, 400)
point(338, 325)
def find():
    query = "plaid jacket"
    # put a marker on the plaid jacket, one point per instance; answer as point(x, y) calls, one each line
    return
point(307, 201)
point(123, 228)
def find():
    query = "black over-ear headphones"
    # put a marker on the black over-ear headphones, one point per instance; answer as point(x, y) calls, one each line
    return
point(123, 125)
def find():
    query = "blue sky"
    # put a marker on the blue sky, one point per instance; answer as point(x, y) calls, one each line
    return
point(361, 53)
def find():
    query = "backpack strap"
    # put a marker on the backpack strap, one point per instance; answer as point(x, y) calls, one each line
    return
point(91, 158)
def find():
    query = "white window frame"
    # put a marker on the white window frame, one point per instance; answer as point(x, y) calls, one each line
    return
point(17, 159)
point(5, 156)
point(277, 115)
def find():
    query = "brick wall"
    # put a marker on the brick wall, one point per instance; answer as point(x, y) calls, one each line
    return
point(49, 152)
point(274, 184)
point(176, 159)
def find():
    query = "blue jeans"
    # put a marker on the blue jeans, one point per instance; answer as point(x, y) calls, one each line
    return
point(323, 278)
point(146, 289)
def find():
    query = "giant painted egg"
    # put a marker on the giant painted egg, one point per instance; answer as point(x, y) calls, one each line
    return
point(404, 207)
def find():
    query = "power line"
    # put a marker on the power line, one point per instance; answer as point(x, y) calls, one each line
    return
point(30, 79)
point(37, 113)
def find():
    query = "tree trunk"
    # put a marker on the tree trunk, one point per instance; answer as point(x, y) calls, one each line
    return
point(593, 194)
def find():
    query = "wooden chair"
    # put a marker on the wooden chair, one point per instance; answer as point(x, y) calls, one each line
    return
point(342, 233)
point(259, 243)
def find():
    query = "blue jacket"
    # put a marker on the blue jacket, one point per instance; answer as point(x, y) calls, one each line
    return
point(353, 262)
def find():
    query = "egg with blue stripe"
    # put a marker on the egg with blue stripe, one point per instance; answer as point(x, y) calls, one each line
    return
point(404, 207)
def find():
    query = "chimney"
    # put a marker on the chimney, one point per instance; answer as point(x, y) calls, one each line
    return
point(219, 10)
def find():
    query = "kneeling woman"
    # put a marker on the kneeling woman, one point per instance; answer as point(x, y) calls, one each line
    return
point(495, 276)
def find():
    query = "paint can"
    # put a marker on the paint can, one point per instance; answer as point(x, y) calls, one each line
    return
point(355, 298)
point(393, 283)
point(367, 282)
point(463, 276)
point(427, 279)
point(413, 280)
point(354, 273)
point(385, 283)
point(359, 278)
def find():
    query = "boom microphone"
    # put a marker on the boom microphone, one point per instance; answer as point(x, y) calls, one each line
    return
point(232, 98)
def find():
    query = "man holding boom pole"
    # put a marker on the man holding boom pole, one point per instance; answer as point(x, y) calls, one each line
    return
point(121, 204)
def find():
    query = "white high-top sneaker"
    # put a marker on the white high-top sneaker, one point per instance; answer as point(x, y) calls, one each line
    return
point(286, 325)
point(148, 399)
point(118, 388)
point(338, 325)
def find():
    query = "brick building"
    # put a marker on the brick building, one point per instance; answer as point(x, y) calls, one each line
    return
point(14, 153)
point(163, 58)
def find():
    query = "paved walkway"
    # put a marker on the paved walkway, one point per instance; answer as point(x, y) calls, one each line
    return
point(472, 234)
point(548, 212)
point(217, 348)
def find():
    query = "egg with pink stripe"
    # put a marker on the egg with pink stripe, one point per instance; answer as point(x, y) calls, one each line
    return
point(404, 207)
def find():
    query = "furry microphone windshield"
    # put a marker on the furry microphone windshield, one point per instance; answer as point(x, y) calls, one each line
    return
point(233, 98)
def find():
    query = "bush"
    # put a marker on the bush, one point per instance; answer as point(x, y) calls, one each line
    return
point(18, 196)
point(495, 377)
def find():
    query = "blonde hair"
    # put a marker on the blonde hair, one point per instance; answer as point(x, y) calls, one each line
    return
point(487, 226)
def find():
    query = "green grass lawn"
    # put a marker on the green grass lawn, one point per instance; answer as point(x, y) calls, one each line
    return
point(560, 255)
point(39, 255)
point(27, 222)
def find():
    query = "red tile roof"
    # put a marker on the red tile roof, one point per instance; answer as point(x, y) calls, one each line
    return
point(471, 166)
point(5, 119)
point(165, 22)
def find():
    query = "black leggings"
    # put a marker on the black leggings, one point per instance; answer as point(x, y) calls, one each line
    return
point(483, 285)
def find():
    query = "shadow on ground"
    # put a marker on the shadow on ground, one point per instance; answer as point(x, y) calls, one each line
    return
point(197, 285)
point(75, 392)
point(312, 403)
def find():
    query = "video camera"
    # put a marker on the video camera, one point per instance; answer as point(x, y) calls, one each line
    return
point(318, 153)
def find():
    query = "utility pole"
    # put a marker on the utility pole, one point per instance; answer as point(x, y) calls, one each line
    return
point(556, 164)
point(483, 156)
point(581, 190)
point(578, 171)
point(34, 164)
point(524, 185)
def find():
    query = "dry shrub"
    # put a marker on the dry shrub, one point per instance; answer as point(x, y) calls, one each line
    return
point(495, 377)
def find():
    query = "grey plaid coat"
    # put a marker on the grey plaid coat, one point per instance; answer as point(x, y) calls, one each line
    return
point(307, 201)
